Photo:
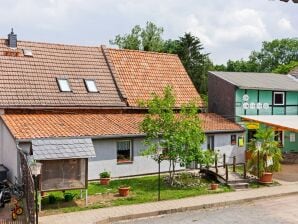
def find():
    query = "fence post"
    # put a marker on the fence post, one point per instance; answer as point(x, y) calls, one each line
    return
point(216, 169)
point(227, 173)
point(244, 170)
point(234, 164)
point(224, 160)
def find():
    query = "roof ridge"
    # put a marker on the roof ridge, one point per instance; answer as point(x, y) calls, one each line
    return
point(142, 51)
point(51, 43)
point(268, 73)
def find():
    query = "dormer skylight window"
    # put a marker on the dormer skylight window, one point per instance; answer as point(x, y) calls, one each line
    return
point(91, 86)
point(64, 85)
point(27, 52)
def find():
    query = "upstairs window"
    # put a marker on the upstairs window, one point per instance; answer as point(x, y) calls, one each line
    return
point(64, 85)
point(279, 98)
point(91, 86)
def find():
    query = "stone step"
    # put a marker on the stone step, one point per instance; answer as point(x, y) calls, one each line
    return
point(238, 185)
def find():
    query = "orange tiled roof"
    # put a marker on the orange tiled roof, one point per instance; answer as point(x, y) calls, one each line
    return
point(31, 81)
point(32, 126)
point(142, 73)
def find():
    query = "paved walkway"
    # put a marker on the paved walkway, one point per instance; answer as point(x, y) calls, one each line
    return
point(106, 215)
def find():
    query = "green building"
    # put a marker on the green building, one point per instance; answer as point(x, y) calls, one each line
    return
point(255, 99)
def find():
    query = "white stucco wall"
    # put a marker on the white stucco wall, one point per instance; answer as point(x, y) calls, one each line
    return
point(106, 154)
point(8, 151)
point(222, 144)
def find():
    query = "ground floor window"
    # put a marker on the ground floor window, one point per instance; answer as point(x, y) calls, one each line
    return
point(210, 142)
point(233, 139)
point(278, 137)
point(124, 151)
point(251, 134)
point(292, 137)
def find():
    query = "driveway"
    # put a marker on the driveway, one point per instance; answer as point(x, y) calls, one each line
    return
point(281, 210)
point(288, 173)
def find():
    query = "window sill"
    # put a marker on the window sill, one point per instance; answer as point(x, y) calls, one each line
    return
point(124, 162)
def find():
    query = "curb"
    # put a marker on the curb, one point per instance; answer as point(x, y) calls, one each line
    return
point(189, 208)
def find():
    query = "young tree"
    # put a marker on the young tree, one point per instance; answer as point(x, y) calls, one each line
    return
point(180, 134)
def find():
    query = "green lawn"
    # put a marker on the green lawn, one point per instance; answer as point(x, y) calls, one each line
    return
point(143, 189)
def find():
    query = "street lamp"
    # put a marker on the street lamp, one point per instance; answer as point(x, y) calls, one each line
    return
point(36, 170)
point(258, 147)
point(159, 153)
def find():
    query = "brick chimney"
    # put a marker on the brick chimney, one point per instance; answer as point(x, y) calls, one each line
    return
point(12, 39)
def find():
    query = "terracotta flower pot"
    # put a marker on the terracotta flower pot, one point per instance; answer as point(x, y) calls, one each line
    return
point(123, 191)
point(213, 186)
point(266, 178)
point(104, 181)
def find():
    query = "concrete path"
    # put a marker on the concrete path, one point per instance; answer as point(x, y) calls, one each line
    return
point(106, 215)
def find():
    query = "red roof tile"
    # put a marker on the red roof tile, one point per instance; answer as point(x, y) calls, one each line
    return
point(28, 126)
point(142, 73)
point(31, 81)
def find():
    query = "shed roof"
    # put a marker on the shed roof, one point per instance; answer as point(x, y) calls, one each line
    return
point(265, 81)
point(52, 149)
point(28, 126)
point(142, 73)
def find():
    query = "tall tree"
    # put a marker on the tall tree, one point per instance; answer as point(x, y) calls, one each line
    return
point(148, 38)
point(180, 134)
point(189, 49)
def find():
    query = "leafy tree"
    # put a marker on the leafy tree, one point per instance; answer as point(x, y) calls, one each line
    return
point(129, 41)
point(180, 135)
point(273, 54)
point(148, 38)
point(151, 37)
point(285, 69)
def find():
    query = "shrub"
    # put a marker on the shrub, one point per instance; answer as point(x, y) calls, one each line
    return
point(52, 199)
point(69, 196)
point(105, 174)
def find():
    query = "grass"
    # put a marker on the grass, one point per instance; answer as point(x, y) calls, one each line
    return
point(143, 189)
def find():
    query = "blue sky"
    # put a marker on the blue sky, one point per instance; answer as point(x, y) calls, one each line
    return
point(229, 29)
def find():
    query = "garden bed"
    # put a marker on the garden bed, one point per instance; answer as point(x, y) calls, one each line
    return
point(143, 189)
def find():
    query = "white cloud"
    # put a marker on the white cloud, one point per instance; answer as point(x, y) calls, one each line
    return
point(284, 24)
point(229, 29)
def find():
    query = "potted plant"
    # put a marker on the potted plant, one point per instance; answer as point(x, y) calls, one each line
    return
point(123, 190)
point(265, 155)
point(214, 186)
point(105, 177)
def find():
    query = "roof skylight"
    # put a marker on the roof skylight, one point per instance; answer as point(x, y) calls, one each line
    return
point(91, 86)
point(64, 85)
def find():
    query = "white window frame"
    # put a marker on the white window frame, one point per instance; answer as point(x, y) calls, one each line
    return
point(130, 148)
point(88, 87)
point(61, 87)
point(283, 98)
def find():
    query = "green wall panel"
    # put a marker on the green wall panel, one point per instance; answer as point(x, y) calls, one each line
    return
point(290, 146)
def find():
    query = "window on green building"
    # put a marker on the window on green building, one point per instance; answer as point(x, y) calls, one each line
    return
point(279, 98)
